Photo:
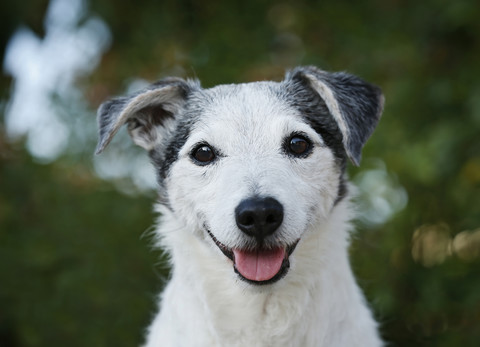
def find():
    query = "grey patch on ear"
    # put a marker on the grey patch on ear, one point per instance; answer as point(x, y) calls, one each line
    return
point(145, 112)
point(355, 105)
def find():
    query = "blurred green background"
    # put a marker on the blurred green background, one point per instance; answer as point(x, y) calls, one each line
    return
point(77, 266)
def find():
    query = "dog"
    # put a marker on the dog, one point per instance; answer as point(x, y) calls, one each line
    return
point(254, 205)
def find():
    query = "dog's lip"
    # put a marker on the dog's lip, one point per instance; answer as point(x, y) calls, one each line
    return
point(225, 250)
point(228, 252)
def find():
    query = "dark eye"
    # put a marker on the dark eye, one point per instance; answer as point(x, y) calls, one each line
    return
point(298, 145)
point(203, 154)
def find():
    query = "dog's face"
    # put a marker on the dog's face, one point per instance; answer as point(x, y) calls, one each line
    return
point(250, 168)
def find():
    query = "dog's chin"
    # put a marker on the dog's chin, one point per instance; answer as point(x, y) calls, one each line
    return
point(259, 266)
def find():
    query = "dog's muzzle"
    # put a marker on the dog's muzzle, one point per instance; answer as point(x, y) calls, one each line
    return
point(259, 218)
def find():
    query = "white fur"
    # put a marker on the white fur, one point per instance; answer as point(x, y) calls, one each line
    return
point(318, 302)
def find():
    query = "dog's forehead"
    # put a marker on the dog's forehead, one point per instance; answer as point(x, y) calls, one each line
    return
point(242, 100)
point(249, 110)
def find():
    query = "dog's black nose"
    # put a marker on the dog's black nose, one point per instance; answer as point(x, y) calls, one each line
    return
point(259, 217)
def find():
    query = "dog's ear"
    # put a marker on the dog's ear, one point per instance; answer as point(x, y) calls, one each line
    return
point(355, 104)
point(145, 112)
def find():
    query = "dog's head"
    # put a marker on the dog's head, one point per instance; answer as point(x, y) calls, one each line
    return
point(251, 167)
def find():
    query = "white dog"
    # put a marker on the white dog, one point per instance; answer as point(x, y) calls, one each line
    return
point(254, 206)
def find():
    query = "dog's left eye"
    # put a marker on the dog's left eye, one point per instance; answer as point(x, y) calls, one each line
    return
point(298, 145)
point(203, 154)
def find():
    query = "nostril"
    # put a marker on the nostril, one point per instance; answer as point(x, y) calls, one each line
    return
point(247, 219)
point(271, 219)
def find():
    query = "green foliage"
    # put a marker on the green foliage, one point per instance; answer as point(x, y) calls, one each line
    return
point(76, 264)
point(74, 268)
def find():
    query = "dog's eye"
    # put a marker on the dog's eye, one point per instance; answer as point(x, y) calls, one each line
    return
point(203, 154)
point(298, 145)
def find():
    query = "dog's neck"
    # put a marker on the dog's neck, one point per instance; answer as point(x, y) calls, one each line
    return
point(205, 295)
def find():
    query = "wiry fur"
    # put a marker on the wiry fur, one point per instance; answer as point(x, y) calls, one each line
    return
point(248, 126)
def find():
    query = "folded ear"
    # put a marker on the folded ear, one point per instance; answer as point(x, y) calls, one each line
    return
point(355, 104)
point(145, 112)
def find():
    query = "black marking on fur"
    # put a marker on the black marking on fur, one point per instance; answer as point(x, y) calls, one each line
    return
point(147, 118)
point(300, 95)
point(164, 160)
point(313, 109)
point(342, 189)
point(360, 103)
point(164, 157)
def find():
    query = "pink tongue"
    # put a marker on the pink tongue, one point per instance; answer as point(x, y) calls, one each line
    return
point(259, 265)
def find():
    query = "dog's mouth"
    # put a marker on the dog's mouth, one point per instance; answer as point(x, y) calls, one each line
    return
point(260, 265)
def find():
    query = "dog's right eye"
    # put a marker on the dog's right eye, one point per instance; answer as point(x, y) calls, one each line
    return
point(203, 154)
